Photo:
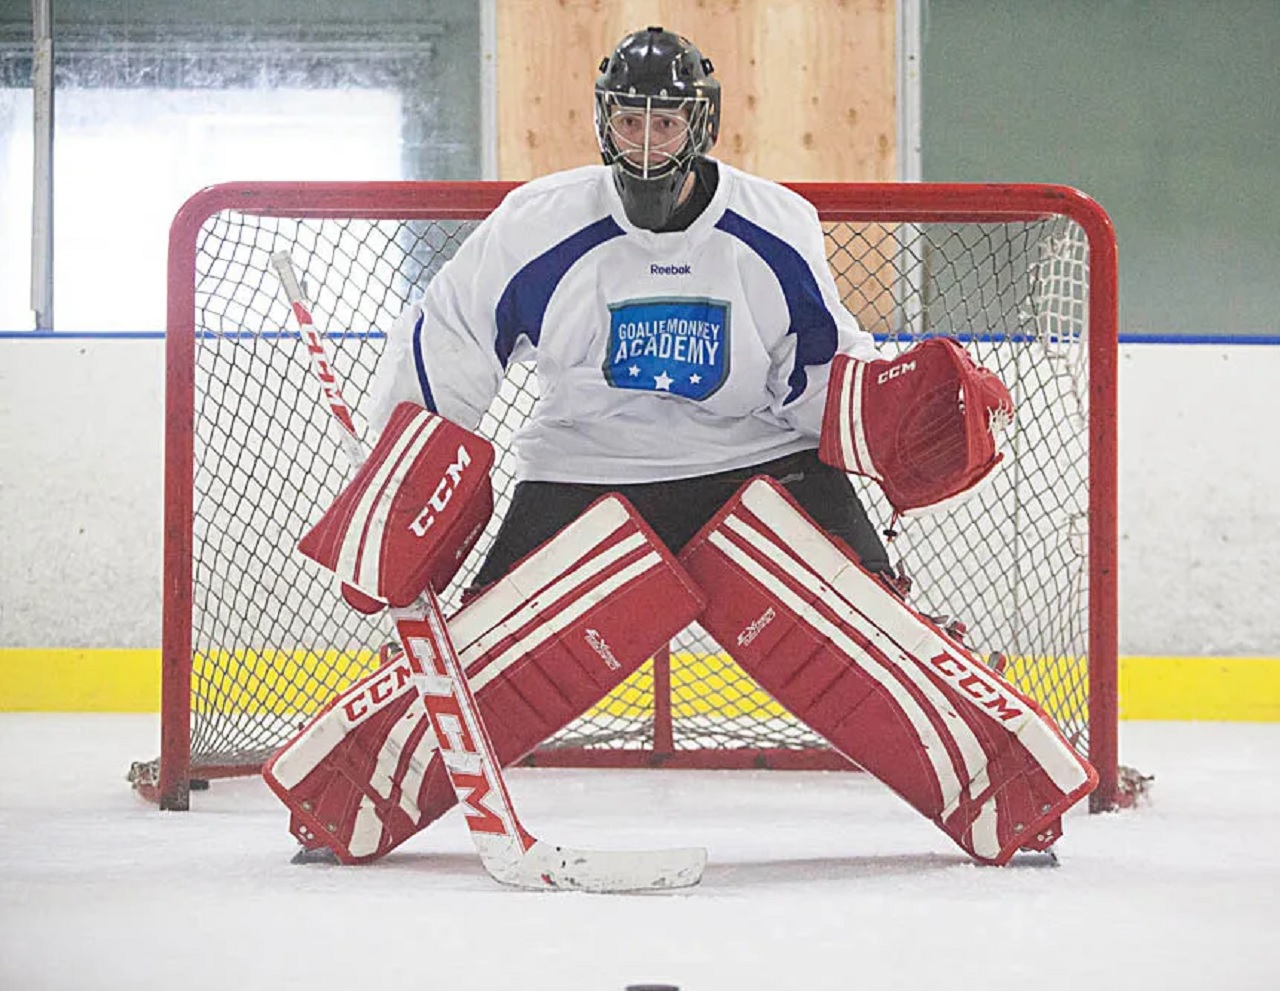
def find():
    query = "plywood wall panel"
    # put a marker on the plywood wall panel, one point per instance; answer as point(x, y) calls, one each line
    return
point(808, 85)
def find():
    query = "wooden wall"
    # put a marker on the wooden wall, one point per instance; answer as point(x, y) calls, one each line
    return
point(807, 85)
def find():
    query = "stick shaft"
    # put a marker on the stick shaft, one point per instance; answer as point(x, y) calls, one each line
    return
point(318, 352)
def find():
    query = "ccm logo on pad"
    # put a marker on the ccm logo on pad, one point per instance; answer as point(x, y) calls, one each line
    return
point(441, 496)
point(377, 692)
point(895, 371)
point(983, 692)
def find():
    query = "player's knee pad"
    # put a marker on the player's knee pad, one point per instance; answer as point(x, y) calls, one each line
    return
point(570, 622)
point(562, 629)
point(882, 684)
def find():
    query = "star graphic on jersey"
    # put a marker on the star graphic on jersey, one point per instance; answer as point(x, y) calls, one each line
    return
point(662, 380)
point(695, 378)
point(633, 371)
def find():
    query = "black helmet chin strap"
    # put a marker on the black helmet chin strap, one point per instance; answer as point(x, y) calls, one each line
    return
point(649, 203)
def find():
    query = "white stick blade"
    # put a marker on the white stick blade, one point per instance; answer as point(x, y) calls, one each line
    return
point(545, 866)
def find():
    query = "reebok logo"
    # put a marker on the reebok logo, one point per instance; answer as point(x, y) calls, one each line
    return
point(670, 269)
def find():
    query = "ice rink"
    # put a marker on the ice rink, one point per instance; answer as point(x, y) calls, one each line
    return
point(815, 881)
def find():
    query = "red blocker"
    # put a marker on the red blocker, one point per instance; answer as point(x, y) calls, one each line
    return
point(881, 683)
point(411, 514)
point(566, 626)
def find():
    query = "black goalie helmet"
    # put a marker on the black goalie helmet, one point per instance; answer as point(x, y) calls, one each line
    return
point(657, 109)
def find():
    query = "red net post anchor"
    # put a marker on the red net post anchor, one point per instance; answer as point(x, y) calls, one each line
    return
point(1135, 787)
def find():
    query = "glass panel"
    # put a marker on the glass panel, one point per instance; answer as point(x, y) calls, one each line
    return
point(126, 160)
point(158, 98)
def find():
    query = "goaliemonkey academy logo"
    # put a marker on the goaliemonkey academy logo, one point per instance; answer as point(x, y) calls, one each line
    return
point(676, 345)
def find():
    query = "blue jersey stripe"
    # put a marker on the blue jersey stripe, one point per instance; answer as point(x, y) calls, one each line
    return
point(524, 301)
point(428, 399)
point(811, 321)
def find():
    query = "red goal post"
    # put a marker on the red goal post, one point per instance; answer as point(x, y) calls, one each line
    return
point(254, 641)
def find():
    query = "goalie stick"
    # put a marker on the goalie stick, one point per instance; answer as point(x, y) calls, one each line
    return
point(320, 363)
point(510, 853)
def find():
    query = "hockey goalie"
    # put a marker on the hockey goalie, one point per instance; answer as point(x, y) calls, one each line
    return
point(703, 396)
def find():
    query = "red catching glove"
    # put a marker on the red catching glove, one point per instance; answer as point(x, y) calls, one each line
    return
point(925, 424)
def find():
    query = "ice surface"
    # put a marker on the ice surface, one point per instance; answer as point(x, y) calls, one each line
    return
point(815, 881)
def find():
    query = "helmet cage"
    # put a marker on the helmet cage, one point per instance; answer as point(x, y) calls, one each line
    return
point(636, 132)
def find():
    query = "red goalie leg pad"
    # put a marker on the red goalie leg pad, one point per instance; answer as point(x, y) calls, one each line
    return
point(881, 683)
point(564, 628)
point(570, 622)
point(357, 776)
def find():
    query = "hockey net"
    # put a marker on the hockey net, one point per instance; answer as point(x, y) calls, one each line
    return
point(256, 640)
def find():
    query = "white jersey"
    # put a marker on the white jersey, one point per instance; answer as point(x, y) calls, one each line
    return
point(657, 356)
